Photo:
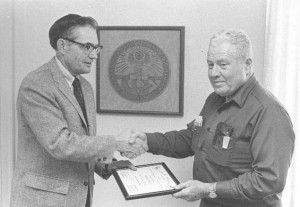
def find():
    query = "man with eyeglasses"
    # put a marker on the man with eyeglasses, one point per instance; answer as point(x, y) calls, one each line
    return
point(58, 149)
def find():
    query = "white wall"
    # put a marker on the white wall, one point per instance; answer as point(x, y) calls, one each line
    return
point(201, 18)
point(6, 100)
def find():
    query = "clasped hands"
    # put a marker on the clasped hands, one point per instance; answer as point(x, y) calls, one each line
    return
point(132, 143)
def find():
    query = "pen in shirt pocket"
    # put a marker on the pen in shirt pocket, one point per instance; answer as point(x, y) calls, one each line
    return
point(198, 121)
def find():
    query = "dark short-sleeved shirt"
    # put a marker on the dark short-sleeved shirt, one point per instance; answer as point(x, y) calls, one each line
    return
point(251, 166)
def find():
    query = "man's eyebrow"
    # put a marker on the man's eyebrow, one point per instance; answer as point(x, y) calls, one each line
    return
point(222, 60)
point(91, 43)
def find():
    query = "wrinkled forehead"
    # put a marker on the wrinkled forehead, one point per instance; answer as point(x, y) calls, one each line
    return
point(221, 48)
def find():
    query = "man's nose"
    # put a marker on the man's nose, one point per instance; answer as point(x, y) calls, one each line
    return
point(215, 71)
point(93, 54)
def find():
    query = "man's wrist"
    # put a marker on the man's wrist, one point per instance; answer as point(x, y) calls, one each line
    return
point(212, 190)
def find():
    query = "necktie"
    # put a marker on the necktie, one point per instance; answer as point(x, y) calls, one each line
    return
point(79, 96)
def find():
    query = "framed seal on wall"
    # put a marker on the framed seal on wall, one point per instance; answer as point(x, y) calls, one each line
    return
point(140, 70)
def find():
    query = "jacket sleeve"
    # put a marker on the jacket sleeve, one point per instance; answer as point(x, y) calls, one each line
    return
point(41, 107)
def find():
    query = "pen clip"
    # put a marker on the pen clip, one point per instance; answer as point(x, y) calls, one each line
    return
point(198, 121)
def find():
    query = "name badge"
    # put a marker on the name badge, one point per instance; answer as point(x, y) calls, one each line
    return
point(226, 140)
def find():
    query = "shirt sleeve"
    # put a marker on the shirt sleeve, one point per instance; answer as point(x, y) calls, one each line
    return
point(272, 145)
point(175, 144)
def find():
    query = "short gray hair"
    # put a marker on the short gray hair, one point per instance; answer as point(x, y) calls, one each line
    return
point(238, 38)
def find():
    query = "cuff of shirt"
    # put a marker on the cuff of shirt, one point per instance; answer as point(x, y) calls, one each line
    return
point(152, 143)
point(225, 189)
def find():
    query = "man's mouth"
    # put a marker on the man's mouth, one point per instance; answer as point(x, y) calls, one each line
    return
point(218, 83)
point(88, 64)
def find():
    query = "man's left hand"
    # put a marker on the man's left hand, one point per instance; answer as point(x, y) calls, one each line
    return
point(192, 190)
point(121, 164)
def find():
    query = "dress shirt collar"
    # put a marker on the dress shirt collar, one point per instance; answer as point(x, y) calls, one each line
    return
point(67, 75)
point(242, 93)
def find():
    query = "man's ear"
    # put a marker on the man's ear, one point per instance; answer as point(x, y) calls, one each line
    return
point(248, 66)
point(61, 46)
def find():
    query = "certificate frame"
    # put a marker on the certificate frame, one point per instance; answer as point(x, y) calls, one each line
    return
point(140, 70)
point(130, 196)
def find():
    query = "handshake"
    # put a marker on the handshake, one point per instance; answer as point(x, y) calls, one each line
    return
point(131, 143)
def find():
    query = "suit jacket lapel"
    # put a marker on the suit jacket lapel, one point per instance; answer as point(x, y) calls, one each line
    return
point(64, 87)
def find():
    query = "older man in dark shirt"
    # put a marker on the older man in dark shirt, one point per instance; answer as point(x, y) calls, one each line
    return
point(243, 139)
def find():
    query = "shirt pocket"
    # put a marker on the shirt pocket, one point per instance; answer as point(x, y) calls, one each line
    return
point(217, 153)
point(45, 191)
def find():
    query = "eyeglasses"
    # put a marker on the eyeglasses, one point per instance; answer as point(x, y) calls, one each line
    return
point(88, 46)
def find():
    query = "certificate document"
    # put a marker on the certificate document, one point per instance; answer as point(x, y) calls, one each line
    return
point(148, 180)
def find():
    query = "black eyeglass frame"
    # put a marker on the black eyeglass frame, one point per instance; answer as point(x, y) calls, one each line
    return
point(87, 45)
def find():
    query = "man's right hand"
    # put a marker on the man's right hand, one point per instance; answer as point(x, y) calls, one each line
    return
point(136, 138)
point(131, 143)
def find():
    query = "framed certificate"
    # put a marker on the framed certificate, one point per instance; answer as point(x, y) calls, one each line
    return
point(148, 180)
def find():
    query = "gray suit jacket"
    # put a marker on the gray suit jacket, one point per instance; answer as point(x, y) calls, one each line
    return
point(57, 147)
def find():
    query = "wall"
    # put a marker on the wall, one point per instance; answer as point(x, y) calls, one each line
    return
point(7, 112)
point(201, 18)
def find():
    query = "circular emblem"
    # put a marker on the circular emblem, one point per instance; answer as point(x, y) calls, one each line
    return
point(139, 71)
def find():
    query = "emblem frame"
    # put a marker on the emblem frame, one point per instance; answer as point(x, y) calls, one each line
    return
point(168, 97)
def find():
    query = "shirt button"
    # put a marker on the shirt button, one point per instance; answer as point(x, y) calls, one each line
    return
point(85, 183)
